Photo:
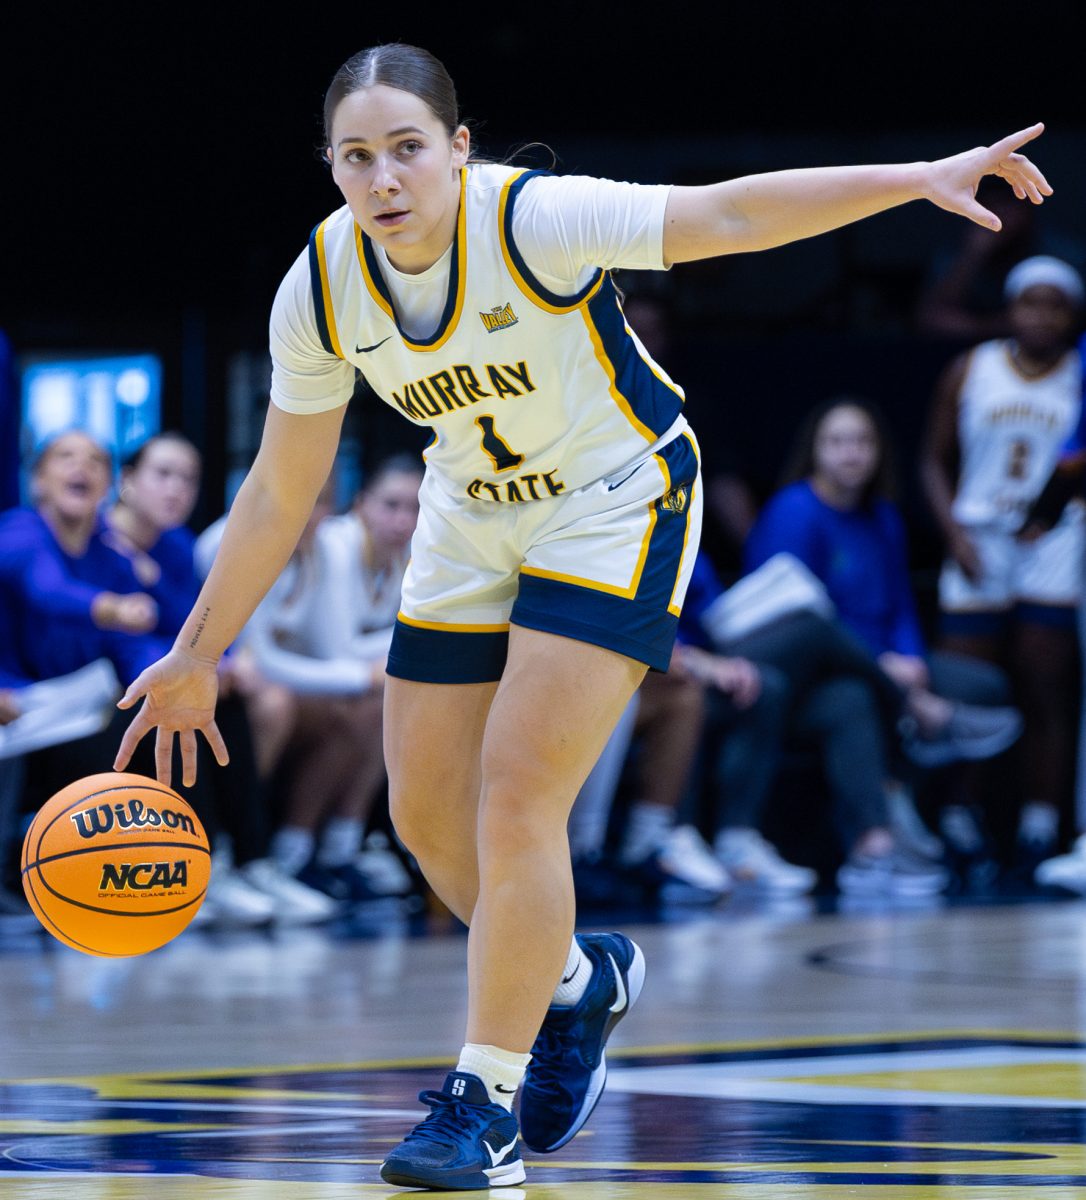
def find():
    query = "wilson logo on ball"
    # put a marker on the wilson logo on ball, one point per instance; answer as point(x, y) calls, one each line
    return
point(92, 822)
point(143, 877)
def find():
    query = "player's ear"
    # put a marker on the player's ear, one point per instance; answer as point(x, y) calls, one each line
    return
point(461, 146)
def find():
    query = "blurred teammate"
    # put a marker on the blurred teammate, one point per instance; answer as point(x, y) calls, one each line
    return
point(1000, 417)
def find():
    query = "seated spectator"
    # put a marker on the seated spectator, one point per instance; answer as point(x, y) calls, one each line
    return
point(737, 710)
point(318, 645)
point(838, 702)
point(837, 519)
point(71, 611)
point(1007, 594)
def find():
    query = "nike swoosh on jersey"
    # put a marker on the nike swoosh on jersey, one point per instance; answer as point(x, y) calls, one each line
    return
point(497, 1157)
point(620, 999)
point(611, 486)
point(375, 346)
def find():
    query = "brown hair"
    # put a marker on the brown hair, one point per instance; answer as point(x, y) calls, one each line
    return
point(134, 460)
point(801, 462)
point(408, 68)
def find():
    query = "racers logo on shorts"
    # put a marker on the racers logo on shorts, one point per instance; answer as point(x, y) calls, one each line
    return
point(677, 499)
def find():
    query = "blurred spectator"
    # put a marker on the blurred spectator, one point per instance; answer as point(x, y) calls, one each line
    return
point(837, 519)
point(313, 655)
point(747, 711)
point(70, 610)
point(1009, 591)
point(321, 640)
point(841, 704)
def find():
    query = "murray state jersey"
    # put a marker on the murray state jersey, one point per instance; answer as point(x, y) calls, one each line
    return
point(528, 393)
point(1011, 429)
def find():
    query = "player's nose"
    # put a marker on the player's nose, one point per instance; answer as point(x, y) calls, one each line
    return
point(384, 178)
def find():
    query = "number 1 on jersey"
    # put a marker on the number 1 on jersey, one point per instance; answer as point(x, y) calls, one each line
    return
point(497, 450)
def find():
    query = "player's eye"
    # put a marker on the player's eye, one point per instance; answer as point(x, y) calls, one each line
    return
point(411, 147)
point(357, 156)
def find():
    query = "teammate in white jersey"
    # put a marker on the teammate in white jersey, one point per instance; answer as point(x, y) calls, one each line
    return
point(559, 522)
point(1001, 416)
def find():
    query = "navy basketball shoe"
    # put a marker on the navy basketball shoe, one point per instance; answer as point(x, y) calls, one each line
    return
point(568, 1070)
point(466, 1143)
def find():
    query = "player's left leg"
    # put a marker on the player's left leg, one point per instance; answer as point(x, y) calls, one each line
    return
point(554, 710)
point(550, 718)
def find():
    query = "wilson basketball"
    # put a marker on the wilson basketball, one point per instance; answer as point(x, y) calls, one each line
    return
point(115, 864)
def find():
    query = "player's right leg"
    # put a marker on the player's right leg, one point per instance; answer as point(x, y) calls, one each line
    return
point(433, 739)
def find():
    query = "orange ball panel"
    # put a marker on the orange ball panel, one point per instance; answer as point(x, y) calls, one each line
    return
point(115, 864)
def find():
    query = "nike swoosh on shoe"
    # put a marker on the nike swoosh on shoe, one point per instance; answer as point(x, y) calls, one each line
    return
point(620, 999)
point(500, 1156)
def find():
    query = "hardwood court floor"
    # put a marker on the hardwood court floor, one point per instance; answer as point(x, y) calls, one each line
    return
point(788, 1055)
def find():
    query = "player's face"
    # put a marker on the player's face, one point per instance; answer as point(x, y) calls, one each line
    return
point(73, 477)
point(390, 510)
point(846, 449)
point(398, 170)
point(1043, 319)
point(163, 488)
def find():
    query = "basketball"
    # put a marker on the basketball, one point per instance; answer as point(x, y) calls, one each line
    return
point(115, 864)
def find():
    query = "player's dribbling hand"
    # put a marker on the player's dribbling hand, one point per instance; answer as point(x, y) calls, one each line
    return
point(952, 182)
point(179, 694)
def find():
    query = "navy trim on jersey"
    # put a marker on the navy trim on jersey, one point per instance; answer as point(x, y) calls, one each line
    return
point(448, 313)
point(440, 656)
point(318, 293)
point(655, 405)
point(551, 298)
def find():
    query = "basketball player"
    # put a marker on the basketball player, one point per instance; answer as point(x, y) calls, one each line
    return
point(1000, 418)
point(559, 518)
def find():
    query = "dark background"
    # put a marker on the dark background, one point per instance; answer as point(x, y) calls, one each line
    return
point(161, 175)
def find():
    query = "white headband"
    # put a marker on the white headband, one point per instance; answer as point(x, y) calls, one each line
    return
point(1044, 269)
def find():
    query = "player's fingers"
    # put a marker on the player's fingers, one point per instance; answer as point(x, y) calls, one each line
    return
point(1027, 171)
point(137, 688)
point(978, 213)
point(1011, 143)
point(164, 756)
point(133, 735)
point(218, 746)
point(187, 739)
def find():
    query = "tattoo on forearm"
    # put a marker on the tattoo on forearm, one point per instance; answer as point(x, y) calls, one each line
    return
point(199, 628)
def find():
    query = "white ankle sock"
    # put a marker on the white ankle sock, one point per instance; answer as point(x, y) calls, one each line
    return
point(575, 976)
point(292, 848)
point(501, 1070)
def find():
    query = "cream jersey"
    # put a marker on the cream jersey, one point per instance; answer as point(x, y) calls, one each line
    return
point(1010, 431)
point(529, 391)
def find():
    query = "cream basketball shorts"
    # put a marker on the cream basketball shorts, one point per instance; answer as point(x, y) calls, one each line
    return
point(608, 564)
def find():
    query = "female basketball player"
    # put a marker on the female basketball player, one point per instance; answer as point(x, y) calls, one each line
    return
point(999, 419)
point(559, 517)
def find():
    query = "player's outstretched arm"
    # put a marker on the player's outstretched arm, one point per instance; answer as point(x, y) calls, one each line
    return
point(266, 520)
point(757, 212)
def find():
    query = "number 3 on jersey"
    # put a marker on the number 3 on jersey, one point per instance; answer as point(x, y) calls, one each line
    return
point(495, 448)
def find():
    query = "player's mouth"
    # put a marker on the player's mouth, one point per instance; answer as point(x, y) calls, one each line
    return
point(390, 218)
